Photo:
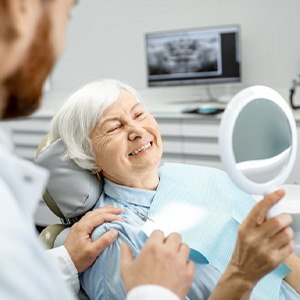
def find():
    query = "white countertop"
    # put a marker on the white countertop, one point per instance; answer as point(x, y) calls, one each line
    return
point(165, 110)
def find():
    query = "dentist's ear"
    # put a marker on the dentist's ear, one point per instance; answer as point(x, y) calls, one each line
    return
point(18, 22)
point(25, 16)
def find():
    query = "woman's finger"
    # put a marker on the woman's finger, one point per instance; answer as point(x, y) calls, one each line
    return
point(281, 239)
point(274, 225)
point(259, 212)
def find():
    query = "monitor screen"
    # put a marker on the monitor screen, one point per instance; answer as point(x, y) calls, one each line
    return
point(193, 56)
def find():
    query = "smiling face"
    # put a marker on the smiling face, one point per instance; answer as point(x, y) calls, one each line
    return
point(127, 144)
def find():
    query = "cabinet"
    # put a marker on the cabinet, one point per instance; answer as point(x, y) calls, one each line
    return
point(190, 139)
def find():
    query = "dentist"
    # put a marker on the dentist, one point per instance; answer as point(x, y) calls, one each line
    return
point(32, 35)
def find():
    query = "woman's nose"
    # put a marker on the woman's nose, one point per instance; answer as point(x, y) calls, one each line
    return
point(135, 132)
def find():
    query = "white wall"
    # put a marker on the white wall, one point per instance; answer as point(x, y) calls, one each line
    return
point(106, 39)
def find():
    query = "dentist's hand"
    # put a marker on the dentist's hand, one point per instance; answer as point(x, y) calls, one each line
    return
point(161, 262)
point(81, 248)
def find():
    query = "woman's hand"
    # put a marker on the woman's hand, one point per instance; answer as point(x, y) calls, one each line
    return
point(161, 262)
point(262, 244)
point(81, 248)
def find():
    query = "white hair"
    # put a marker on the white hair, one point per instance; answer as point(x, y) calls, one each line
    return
point(80, 114)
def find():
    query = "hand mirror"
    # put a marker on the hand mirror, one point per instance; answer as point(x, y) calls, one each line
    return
point(258, 141)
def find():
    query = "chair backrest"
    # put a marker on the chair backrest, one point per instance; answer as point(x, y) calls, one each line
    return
point(71, 191)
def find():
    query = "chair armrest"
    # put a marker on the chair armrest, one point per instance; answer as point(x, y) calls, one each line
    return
point(50, 233)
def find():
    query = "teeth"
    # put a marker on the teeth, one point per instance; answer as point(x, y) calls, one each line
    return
point(141, 149)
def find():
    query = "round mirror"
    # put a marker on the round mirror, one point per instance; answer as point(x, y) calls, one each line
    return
point(261, 140)
point(258, 139)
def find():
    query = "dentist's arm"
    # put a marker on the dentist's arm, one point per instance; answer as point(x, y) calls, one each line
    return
point(79, 251)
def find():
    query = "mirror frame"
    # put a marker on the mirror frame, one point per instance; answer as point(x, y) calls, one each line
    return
point(233, 109)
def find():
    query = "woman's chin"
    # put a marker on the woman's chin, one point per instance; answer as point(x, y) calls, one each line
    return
point(146, 165)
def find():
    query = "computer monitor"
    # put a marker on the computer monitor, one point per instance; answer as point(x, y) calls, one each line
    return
point(193, 56)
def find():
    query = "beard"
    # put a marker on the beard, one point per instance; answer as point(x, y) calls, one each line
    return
point(22, 91)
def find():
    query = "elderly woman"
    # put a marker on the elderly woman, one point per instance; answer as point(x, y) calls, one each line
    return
point(107, 130)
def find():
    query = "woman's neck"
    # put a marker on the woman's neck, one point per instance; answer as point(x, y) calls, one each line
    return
point(147, 181)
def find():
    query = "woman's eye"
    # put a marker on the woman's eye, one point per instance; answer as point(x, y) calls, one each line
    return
point(113, 128)
point(140, 114)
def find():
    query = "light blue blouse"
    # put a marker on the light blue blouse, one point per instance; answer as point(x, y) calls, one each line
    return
point(102, 280)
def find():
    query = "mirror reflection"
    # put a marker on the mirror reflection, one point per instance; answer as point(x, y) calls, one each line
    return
point(261, 140)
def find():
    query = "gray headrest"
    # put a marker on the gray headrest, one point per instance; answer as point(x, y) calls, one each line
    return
point(73, 189)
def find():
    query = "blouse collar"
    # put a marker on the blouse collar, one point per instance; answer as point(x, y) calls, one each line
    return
point(140, 197)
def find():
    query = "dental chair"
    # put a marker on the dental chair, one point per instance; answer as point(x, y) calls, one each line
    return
point(71, 191)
